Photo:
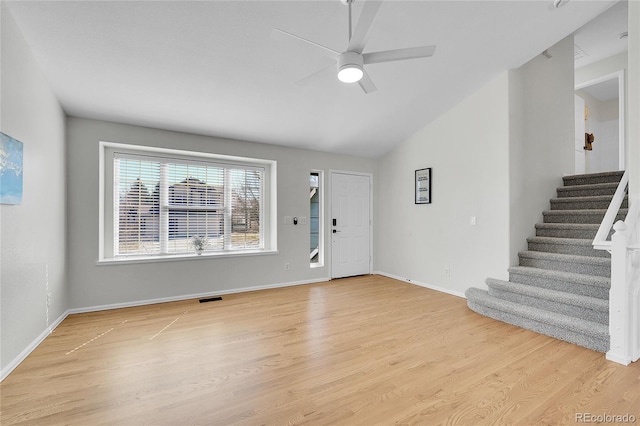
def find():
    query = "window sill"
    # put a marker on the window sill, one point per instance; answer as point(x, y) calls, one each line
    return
point(181, 257)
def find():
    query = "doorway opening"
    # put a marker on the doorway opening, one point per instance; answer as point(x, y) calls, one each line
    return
point(600, 117)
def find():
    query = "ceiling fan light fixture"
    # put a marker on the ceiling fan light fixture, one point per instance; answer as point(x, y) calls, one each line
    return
point(350, 67)
point(350, 74)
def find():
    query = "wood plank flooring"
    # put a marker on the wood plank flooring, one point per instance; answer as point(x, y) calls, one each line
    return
point(360, 351)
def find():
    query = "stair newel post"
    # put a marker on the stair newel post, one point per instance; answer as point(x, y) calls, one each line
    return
point(619, 298)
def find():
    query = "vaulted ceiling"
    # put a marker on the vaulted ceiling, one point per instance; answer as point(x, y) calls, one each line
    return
point(212, 67)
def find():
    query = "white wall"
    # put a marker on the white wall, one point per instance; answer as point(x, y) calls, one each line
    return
point(542, 137)
point(467, 149)
point(499, 155)
point(33, 278)
point(96, 285)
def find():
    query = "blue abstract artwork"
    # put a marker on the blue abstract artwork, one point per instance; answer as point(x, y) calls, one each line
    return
point(10, 170)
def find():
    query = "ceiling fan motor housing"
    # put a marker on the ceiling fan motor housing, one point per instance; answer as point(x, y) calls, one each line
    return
point(350, 67)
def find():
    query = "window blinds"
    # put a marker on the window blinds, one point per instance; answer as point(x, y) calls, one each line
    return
point(161, 204)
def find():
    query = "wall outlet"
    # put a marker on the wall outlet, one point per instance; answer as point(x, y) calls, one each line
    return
point(447, 272)
point(287, 266)
point(474, 221)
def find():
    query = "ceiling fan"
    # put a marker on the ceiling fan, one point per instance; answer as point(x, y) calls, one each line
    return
point(350, 63)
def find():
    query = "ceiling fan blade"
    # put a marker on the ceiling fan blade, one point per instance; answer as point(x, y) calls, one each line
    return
point(398, 54)
point(367, 16)
point(282, 35)
point(316, 75)
point(366, 83)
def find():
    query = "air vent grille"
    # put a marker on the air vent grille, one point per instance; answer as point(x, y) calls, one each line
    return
point(578, 53)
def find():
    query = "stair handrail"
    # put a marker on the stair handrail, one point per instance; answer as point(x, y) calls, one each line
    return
point(600, 241)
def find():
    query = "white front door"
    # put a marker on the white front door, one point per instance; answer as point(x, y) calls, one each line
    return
point(350, 225)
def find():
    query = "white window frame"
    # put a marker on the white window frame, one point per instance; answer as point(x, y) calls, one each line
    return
point(107, 150)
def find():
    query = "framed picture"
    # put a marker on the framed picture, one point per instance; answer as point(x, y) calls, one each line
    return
point(423, 186)
point(10, 170)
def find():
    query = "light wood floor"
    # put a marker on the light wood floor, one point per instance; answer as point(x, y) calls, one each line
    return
point(359, 351)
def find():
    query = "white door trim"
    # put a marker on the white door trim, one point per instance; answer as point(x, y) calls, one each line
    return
point(328, 226)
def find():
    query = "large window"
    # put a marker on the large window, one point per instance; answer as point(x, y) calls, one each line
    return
point(163, 202)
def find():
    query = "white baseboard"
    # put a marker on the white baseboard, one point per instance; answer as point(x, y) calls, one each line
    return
point(25, 353)
point(191, 296)
point(425, 285)
point(618, 358)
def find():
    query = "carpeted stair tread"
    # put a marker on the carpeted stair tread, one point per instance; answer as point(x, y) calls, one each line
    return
point(587, 190)
point(575, 305)
point(558, 240)
point(565, 257)
point(587, 327)
point(567, 230)
point(593, 216)
point(573, 278)
point(593, 178)
point(600, 266)
point(577, 246)
point(583, 198)
point(589, 334)
point(581, 203)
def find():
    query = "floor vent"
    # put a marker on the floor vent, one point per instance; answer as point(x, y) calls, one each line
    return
point(210, 299)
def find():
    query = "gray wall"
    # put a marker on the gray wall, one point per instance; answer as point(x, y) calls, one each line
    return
point(33, 282)
point(93, 284)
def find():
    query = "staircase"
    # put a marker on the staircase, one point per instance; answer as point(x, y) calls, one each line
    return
point(561, 286)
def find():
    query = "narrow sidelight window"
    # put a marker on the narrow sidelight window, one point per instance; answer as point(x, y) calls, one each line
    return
point(315, 219)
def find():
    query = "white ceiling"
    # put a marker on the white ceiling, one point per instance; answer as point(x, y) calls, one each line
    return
point(604, 91)
point(211, 67)
point(601, 37)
